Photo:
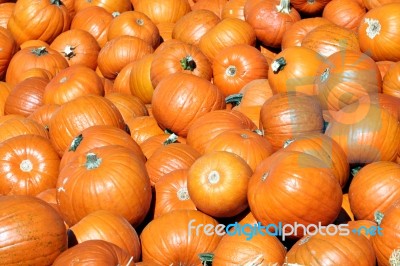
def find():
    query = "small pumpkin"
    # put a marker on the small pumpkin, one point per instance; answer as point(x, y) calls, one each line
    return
point(391, 83)
point(347, 14)
point(163, 10)
point(9, 48)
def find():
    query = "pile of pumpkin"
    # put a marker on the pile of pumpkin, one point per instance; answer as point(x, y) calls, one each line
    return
point(122, 122)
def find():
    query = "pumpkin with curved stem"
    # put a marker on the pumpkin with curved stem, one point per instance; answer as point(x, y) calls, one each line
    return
point(294, 69)
point(26, 96)
point(99, 252)
point(192, 26)
point(369, 193)
point(139, 80)
point(151, 144)
point(391, 81)
point(29, 165)
point(347, 14)
point(172, 193)
point(72, 82)
point(9, 48)
point(78, 47)
point(43, 20)
point(109, 5)
point(128, 105)
point(110, 227)
point(235, 66)
point(291, 174)
point(179, 57)
point(270, 19)
point(33, 232)
point(181, 98)
point(90, 110)
point(114, 178)
point(163, 10)
point(217, 183)
point(345, 77)
point(378, 33)
point(288, 115)
point(17, 125)
point(169, 240)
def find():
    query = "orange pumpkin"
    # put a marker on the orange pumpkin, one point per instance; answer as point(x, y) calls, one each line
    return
point(5, 89)
point(163, 10)
point(43, 114)
point(128, 105)
point(151, 144)
point(9, 48)
point(6, 10)
point(143, 127)
point(15, 125)
point(109, 5)
point(391, 81)
point(233, 9)
point(215, 6)
point(139, 80)
point(347, 14)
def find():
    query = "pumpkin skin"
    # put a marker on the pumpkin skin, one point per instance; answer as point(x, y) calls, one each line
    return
point(43, 114)
point(131, 196)
point(309, 8)
point(179, 57)
point(121, 83)
point(384, 66)
point(235, 66)
point(17, 125)
point(6, 10)
point(191, 27)
point(324, 249)
point(150, 145)
point(78, 47)
point(217, 183)
point(90, 110)
point(347, 14)
point(172, 193)
point(109, 5)
point(29, 165)
point(391, 81)
point(143, 127)
point(346, 206)
point(110, 227)
point(35, 72)
point(43, 20)
point(214, 6)
point(345, 77)
point(33, 232)
point(72, 82)
point(139, 81)
point(26, 96)
point(163, 11)
point(369, 193)
point(234, 9)
point(294, 69)
point(9, 48)
point(378, 33)
point(239, 250)
point(167, 239)
point(271, 189)
point(128, 105)
point(380, 133)
point(99, 252)
point(181, 98)
point(287, 115)
point(360, 226)
point(324, 148)
point(5, 89)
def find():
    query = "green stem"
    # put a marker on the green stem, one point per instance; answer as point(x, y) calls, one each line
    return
point(75, 143)
point(231, 71)
point(284, 6)
point(40, 51)
point(355, 170)
point(378, 216)
point(92, 161)
point(56, 2)
point(206, 258)
point(234, 99)
point(171, 139)
point(278, 65)
point(188, 63)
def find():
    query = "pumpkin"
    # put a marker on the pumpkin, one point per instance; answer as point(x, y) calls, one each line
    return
point(294, 69)
point(288, 175)
point(165, 29)
point(26, 96)
point(391, 81)
point(78, 47)
point(50, 196)
point(380, 133)
point(347, 14)
point(332, 249)
point(243, 249)
point(215, 6)
point(384, 66)
point(72, 82)
point(43, 114)
point(151, 144)
point(363, 227)
point(99, 252)
point(109, 5)
point(309, 8)
point(294, 35)
point(324, 148)
point(233, 9)
point(163, 10)
point(34, 57)
point(254, 93)
point(98, 136)
point(287, 115)
point(179, 57)
point(43, 20)
point(369, 193)
point(121, 83)
point(378, 33)
point(370, 4)
point(95, 20)
point(345, 77)
point(169, 240)
point(328, 39)
point(181, 98)
point(227, 32)
point(9, 48)
point(102, 173)
point(270, 19)
point(139, 80)
point(168, 158)
point(17, 125)
point(217, 183)
point(346, 206)
point(34, 43)
point(110, 227)
point(191, 27)
point(90, 110)
point(6, 10)
point(235, 66)
point(143, 127)
point(33, 232)
point(128, 105)
point(172, 193)
point(5, 89)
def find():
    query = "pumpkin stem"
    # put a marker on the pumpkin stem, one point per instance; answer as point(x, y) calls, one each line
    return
point(40, 51)
point(355, 170)
point(278, 64)
point(234, 99)
point(394, 259)
point(324, 75)
point(374, 27)
point(284, 6)
point(75, 143)
point(231, 71)
point(168, 131)
point(378, 216)
point(259, 132)
point(115, 14)
point(130, 261)
point(188, 63)
point(92, 161)
point(304, 240)
point(183, 194)
point(171, 139)
point(26, 166)
point(264, 176)
point(56, 2)
point(206, 258)
point(69, 51)
point(287, 142)
point(140, 21)
point(213, 177)
point(244, 135)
